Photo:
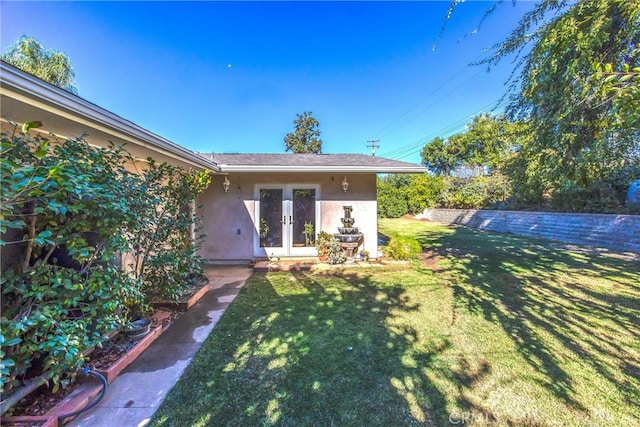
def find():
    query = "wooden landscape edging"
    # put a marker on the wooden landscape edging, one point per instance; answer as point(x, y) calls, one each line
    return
point(88, 390)
point(183, 305)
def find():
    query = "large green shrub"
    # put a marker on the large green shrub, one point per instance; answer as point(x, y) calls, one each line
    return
point(53, 314)
point(478, 192)
point(424, 192)
point(164, 253)
point(392, 199)
point(403, 248)
point(63, 207)
point(68, 213)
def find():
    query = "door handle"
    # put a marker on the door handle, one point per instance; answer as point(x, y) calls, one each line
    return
point(284, 220)
point(290, 220)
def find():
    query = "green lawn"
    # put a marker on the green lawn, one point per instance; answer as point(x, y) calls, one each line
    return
point(487, 330)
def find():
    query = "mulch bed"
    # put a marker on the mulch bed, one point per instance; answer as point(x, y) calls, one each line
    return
point(41, 401)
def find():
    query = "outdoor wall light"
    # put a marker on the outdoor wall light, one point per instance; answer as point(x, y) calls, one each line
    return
point(226, 184)
point(345, 184)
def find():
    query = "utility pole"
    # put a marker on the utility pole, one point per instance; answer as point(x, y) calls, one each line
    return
point(373, 146)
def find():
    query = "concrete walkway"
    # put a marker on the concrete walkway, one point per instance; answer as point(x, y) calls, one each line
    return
point(138, 391)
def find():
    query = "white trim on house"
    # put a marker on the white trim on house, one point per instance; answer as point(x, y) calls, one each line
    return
point(320, 169)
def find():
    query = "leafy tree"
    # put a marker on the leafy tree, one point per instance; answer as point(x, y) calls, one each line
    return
point(424, 192)
point(50, 65)
point(164, 255)
point(478, 192)
point(487, 141)
point(440, 157)
point(398, 180)
point(392, 200)
point(306, 136)
point(576, 84)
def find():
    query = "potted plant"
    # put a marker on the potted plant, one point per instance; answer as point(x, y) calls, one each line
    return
point(138, 328)
point(323, 242)
point(364, 255)
point(335, 254)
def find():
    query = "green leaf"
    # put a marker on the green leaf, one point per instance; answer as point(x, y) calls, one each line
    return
point(12, 342)
point(15, 224)
point(31, 125)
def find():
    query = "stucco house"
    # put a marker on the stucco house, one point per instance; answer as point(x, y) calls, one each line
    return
point(257, 205)
point(270, 198)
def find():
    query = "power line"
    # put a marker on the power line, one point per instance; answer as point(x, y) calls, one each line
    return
point(408, 149)
point(451, 129)
point(433, 92)
point(432, 105)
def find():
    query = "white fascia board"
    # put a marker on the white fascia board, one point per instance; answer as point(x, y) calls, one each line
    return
point(27, 88)
point(319, 169)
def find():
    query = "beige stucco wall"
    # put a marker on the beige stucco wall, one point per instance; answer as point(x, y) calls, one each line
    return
point(229, 217)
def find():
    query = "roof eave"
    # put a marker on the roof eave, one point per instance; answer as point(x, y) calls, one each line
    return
point(320, 169)
point(17, 82)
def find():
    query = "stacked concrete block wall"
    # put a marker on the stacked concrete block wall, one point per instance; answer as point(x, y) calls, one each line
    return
point(617, 232)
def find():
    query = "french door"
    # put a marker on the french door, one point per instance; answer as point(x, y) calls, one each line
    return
point(287, 216)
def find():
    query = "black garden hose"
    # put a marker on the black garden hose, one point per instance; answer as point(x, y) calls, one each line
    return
point(103, 380)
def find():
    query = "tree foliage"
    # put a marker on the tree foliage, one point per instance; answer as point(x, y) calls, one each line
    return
point(305, 137)
point(164, 255)
point(485, 144)
point(424, 191)
point(585, 134)
point(392, 199)
point(50, 65)
point(62, 213)
point(576, 87)
point(68, 212)
point(440, 157)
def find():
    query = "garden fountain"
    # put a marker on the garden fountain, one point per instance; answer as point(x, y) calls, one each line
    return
point(350, 237)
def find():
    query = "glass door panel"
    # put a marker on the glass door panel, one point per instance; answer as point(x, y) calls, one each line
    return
point(304, 217)
point(271, 214)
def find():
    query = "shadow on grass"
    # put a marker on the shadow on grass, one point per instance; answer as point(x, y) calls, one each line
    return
point(311, 349)
point(559, 307)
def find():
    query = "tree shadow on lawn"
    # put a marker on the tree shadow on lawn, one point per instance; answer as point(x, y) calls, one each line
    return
point(557, 306)
point(313, 349)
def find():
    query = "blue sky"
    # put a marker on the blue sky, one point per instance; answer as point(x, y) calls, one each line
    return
point(231, 76)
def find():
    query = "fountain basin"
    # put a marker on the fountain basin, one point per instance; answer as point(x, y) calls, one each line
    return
point(348, 230)
point(348, 238)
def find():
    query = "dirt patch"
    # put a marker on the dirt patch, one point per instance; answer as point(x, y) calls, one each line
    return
point(431, 260)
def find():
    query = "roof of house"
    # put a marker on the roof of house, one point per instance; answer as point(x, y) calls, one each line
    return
point(353, 163)
point(26, 98)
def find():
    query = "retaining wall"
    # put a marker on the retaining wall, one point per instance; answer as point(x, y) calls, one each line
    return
point(617, 232)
